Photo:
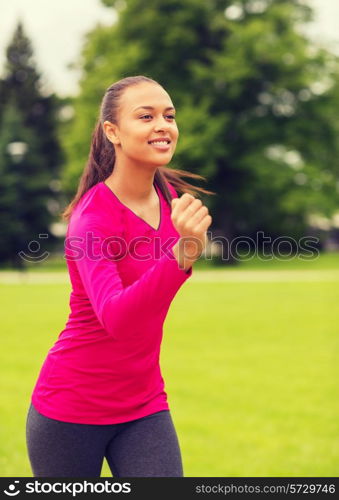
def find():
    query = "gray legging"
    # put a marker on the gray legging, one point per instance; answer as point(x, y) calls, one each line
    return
point(145, 447)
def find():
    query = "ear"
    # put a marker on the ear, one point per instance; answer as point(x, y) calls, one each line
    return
point(111, 132)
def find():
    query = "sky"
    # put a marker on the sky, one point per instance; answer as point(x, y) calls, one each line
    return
point(57, 29)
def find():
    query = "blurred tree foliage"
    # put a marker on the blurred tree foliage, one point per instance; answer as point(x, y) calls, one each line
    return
point(256, 104)
point(30, 156)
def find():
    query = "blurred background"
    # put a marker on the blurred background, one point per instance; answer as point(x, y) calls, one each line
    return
point(250, 354)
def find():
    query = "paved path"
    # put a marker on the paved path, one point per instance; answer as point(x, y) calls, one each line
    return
point(224, 275)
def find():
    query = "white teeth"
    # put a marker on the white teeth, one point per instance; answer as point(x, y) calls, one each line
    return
point(159, 142)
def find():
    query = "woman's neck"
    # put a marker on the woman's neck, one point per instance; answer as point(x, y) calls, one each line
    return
point(136, 187)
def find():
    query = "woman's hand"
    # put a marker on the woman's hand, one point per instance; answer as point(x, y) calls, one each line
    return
point(191, 219)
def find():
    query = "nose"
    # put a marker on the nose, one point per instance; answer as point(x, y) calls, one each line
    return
point(161, 124)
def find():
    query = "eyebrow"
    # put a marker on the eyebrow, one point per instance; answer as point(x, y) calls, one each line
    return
point(151, 107)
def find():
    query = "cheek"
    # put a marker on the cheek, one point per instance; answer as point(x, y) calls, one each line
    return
point(136, 140)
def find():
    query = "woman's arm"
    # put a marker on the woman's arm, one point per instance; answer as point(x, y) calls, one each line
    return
point(120, 309)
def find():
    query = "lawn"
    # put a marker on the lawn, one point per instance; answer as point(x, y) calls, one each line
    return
point(251, 371)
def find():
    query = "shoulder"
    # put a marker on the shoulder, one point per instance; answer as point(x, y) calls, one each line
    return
point(96, 212)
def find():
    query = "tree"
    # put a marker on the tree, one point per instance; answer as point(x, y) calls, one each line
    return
point(30, 154)
point(245, 81)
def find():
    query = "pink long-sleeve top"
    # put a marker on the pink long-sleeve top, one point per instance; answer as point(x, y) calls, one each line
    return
point(104, 367)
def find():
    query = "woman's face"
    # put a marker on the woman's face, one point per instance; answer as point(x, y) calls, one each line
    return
point(138, 126)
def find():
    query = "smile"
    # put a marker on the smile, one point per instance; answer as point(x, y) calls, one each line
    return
point(161, 145)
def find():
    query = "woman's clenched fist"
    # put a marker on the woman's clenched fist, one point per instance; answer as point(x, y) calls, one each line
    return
point(191, 219)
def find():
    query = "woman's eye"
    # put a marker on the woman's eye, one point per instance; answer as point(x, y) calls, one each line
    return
point(172, 117)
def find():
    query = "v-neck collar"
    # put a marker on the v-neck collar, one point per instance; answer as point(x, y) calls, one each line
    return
point(133, 213)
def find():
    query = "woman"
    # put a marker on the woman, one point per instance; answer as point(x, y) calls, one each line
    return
point(129, 248)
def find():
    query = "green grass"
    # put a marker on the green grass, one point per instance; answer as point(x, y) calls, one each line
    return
point(251, 372)
point(329, 260)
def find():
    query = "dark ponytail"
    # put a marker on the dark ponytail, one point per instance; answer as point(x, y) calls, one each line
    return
point(101, 157)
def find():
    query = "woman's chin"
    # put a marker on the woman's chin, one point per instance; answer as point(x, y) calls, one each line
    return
point(161, 161)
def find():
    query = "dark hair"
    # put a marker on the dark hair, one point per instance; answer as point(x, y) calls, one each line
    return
point(101, 157)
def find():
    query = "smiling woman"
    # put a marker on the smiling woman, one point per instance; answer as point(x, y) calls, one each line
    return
point(100, 392)
point(142, 142)
point(123, 133)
